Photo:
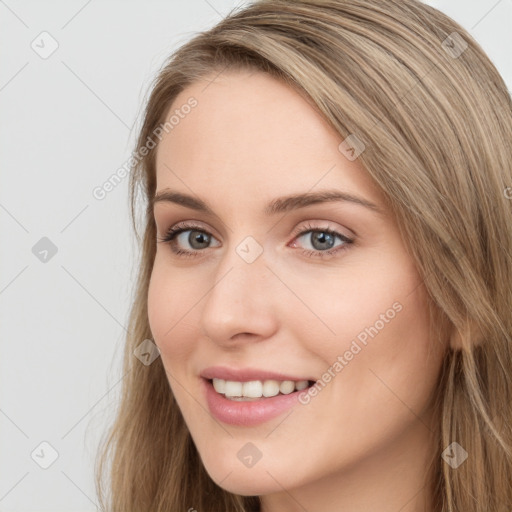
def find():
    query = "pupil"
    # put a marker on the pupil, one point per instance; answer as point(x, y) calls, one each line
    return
point(200, 238)
point(322, 238)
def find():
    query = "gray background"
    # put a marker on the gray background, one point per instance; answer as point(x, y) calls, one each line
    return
point(68, 123)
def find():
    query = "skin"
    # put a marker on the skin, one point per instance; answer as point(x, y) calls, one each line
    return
point(364, 442)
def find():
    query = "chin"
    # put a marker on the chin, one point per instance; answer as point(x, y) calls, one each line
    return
point(248, 486)
point(246, 481)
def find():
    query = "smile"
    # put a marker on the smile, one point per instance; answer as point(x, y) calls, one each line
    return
point(257, 389)
point(251, 410)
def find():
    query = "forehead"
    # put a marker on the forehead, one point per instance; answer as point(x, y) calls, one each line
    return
point(251, 108)
point(251, 132)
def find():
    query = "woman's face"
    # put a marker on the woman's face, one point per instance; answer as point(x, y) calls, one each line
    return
point(273, 291)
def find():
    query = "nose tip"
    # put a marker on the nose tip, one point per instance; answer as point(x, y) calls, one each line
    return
point(240, 304)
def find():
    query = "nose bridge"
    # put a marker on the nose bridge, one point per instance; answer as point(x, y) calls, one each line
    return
point(240, 297)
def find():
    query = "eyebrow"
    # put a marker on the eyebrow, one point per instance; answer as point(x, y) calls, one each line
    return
point(279, 205)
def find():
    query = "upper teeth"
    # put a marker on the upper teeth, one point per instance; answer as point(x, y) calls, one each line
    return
point(257, 388)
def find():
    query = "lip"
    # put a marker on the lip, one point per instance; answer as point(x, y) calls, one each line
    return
point(247, 374)
point(251, 413)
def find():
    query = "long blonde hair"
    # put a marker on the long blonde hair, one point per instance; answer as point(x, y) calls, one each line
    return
point(435, 118)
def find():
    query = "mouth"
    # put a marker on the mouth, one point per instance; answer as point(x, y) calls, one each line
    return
point(248, 411)
point(251, 391)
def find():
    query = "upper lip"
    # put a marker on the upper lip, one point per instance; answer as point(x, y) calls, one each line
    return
point(247, 374)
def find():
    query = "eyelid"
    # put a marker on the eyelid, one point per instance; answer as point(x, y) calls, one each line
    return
point(303, 228)
point(192, 224)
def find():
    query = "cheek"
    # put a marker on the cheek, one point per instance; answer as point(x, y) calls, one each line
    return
point(374, 336)
point(389, 362)
point(365, 299)
point(170, 313)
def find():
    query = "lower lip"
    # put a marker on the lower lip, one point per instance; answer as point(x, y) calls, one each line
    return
point(247, 414)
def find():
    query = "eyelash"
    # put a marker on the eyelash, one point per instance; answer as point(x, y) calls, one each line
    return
point(181, 227)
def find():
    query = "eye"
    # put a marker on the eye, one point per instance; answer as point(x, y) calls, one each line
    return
point(184, 233)
point(322, 241)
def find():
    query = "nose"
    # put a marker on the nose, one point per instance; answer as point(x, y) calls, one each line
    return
point(241, 304)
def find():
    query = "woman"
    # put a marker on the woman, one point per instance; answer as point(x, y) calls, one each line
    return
point(326, 269)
